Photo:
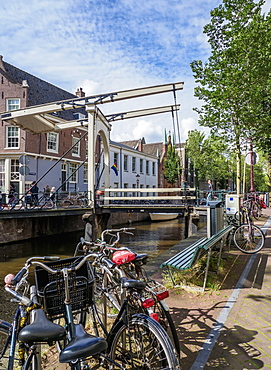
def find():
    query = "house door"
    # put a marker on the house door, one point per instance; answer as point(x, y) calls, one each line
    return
point(64, 177)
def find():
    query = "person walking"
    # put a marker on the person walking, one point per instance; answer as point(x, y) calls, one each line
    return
point(35, 192)
point(210, 192)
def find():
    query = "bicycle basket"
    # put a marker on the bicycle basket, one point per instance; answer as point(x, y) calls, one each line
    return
point(51, 290)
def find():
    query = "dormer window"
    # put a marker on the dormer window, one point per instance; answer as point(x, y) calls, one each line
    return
point(79, 116)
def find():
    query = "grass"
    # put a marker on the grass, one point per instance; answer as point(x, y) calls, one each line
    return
point(195, 275)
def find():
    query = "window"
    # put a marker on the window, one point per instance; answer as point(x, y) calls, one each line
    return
point(85, 173)
point(133, 164)
point(116, 185)
point(14, 170)
point(52, 142)
point(141, 166)
point(2, 175)
point(125, 163)
point(12, 104)
point(116, 157)
point(76, 148)
point(125, 185)
point(134, 186)
point(147, 167)
point(153, 168)
point(73, 172)
point(79, 116)
point(12, 137)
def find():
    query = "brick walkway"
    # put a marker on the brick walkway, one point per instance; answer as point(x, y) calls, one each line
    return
point(245, 338)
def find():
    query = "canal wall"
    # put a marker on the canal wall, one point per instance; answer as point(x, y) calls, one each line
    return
point(22, 226)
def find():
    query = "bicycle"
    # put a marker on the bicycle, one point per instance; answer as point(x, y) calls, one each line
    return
point(69, 200)
point(14, 203)
point(44, 201)
point(247, 237)
point(108, 293)
point(135, 341)
point(30, 327)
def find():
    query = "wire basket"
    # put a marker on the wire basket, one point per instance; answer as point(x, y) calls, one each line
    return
point(51, 288)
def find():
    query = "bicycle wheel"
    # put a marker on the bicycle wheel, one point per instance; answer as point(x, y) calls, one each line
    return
point(4, 344)
point(16, 205)
point(248, 238)
point(165, 320)
point(256, 210)
point(141, 344)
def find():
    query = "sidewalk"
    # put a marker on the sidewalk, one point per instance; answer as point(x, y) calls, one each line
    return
point(242, 311)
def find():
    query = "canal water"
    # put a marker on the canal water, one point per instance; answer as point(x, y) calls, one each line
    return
point(149, 237)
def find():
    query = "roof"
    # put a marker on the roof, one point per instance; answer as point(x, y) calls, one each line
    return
point(39, 91)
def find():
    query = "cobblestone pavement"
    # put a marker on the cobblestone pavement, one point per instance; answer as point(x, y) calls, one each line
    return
point(245, 338)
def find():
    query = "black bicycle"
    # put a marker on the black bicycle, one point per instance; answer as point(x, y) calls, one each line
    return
point(135, 341)
point(126, 264)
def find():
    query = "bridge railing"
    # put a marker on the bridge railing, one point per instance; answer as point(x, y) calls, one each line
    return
point(112, 196)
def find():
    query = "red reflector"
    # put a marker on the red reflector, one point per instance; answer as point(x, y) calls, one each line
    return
point(162, 295)
point(148, 303)
point(155, 316)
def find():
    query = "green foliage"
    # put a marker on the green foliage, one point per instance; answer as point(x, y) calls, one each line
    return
point(235, 84)
point(172, 165)
point(210, 156)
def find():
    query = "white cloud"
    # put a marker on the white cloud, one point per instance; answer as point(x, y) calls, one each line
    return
point(105, 46)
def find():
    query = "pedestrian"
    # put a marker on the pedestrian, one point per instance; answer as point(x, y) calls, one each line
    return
point(11, 193)
point(47, 191)
point(53, 195)
point(210, 192)
point(35, 192)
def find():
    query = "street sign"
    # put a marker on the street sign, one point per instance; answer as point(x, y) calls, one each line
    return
point(24, 159)
point(251, 159)
point(24, 170)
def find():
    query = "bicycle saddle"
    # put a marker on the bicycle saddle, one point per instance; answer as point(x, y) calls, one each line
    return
point(141, 259)
point(82, 345)
point(41, 330)
point(132, 284)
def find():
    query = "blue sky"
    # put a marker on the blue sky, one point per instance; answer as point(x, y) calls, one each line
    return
point(112, 45)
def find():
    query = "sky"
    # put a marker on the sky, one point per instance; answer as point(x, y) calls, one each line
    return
point(113, 45)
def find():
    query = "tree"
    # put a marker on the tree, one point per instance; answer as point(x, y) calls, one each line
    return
point(209, 156)
point(234, 84)
point(172, 165)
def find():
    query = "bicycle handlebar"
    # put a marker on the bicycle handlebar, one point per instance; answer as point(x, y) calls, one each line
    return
point(18, 277)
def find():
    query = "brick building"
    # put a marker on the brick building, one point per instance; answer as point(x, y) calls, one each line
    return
point(25, 157)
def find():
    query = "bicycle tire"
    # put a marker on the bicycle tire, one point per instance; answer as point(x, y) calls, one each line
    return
point(142, 344)
point(249, 238)
point(164, 316)
point(16, 205)
point(48, 204)
point(166, 321)
point(65, 203)
point(4, 334)
point(256, 210)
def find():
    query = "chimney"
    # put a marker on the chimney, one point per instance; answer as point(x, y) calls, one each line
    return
point(2, 63)
point(80, 93)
